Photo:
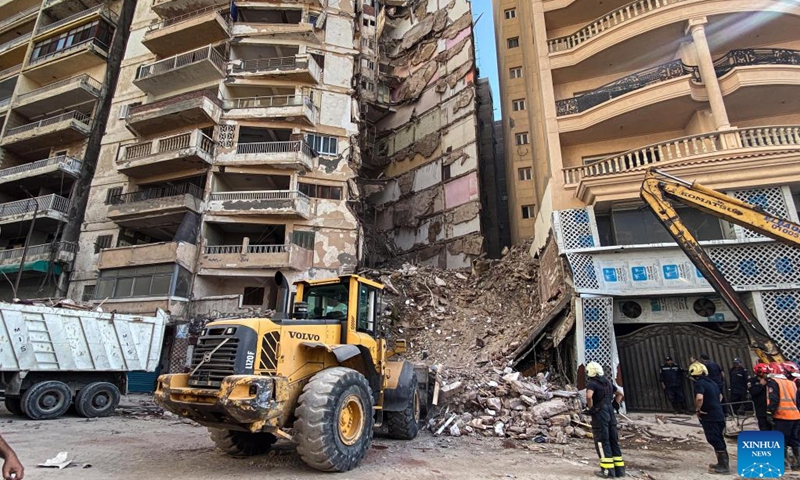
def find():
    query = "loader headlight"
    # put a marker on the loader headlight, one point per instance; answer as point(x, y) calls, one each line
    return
point(204, 332)
point(230, 330)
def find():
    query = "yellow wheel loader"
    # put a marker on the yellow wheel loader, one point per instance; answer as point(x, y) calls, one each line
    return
point(321, 376)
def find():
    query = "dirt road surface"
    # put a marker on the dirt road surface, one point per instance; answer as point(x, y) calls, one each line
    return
point(140, 446)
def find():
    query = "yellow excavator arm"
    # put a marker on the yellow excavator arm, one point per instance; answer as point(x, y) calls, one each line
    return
point(658, 191)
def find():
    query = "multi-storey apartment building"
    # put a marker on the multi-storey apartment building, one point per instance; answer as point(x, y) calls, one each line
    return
point(703, 89)
point(56, 59)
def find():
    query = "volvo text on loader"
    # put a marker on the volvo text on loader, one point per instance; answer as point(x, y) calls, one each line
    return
point(322, 377)
point(659, 189)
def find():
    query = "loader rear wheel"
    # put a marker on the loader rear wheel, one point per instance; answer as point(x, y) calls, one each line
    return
point(404, 425)
point(46, 400)
point(241, 444)
point(97, 399)
point(334, 420)
point(14, 405)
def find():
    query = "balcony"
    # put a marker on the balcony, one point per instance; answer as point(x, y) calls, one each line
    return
point(41, 172)
point(738, 157)
point(181, 111)
point(155, 209)
point(48, 209)
point(285, 32)
point(19, 18)
point(195, 68)
point(59, 130)
point(238, 260)
point(173, 8)
point(290, 108)
point(4, 103)
point(38, 257)
point(84, 16)
point(184, 151)
point(296, 155)
point(58, 96)
point(69, 61)
point(10, 46)
point(283, 203)
point(180, 33)
point(184, 254)
point(299, 68)
point(10, 71)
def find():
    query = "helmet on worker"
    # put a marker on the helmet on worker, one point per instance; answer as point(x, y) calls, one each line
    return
point(761, 369)
point(776, 368)
point(697, 369)
point(594, 369)
point(790, 368)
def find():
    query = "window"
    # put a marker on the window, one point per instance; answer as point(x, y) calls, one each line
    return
point(518, 104)
point(253, 296)
point(512, 42)
point(323, 145)
point(368, 64)
point(124, 110)
point(367, 309)
point(98, 31)
point(525, 173)
point(515, 72)
point(522, 138)
point(303, 239)
point(88, 293)
point(148, 281)
point(367, 85)
point(103, 241)
point(321, 191)
point(368, 22)
point(326, 301)
point(511, 13)
point(636, 227)
point(527, 211)
point(446, 173)
point(312, 19)
point(112, 194)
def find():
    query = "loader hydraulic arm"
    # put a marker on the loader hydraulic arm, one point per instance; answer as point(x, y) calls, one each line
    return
point(659, 188)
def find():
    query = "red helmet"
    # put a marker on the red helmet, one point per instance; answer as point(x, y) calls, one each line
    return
point(761, 369)
point(790, 367)
point(776, 368)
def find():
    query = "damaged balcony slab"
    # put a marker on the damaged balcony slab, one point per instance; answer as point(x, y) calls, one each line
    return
point(49, 210)
point(197, 67)
point(80, 57)
point(58, 96)
point(180, 33)
point(295, 155)
point(291, 32)
point(291, 108)
point(193, 108)
point(249, 260)
point(160, 208)
point(65, 8)
point(184, 151)
point(174, 8)
point(299, 68)
point(59, 130)
point(49, 171)
point(82, 16)
point(284, 203)
point(58, 252)
point(182, 253)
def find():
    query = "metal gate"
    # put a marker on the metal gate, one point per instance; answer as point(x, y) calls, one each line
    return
point(642, 352)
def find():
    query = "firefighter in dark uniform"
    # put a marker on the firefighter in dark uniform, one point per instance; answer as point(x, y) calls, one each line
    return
point(602, 398)
point(671, 377)
point(738, 381)
point(709, 411)
point(715, 373)
point(757, 387)
point(783, 409)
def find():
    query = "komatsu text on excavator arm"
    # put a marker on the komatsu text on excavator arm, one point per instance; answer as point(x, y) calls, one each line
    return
point(659, 189)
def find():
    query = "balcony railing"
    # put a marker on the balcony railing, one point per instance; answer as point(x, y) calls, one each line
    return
point(186, 16)
point(259, 195)
point(10, 70)
point(5, 102)
point(273, 147)
point(684, 149)
point(15, 253)
point(170, 144)
point(29, 205)
point(73, 115)
point(268, 102)
point(67, 163)
point(155, 193)
point(85, 79)
point(178, 61)
point(100, 8)
point(80, 45)
point(606, 22)
point(240, 249)
point(635, 81)
point(268, 64)
point(18, 16)
point(755, 56)
point(15, 42)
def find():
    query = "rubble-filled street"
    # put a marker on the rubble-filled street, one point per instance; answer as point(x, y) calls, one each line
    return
point(141, 442)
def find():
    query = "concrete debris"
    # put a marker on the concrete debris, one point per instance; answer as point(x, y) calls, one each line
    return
point(60, 461)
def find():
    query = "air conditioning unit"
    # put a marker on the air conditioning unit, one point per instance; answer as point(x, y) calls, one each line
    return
point(691, 309)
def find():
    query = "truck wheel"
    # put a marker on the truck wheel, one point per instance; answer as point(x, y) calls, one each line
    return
point(242, 444)
point(13, 405)
point(404, 425)
point(97, 399)
point(334, 420)
point(46, 400)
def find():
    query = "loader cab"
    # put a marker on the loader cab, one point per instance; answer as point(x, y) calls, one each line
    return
point(351, 299)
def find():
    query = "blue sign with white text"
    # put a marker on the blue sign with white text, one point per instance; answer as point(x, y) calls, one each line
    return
point(760, 454)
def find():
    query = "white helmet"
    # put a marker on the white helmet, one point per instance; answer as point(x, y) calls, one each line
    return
point(593, 369)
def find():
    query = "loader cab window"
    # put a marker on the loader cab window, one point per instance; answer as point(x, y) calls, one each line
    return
point(327, 301)
point(368, 301)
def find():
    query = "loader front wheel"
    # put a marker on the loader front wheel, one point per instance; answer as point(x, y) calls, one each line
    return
point(97, 399)
point(13, 405)
point(46, 400)
point(242, 444)
point(404, 425)
point(334, 420)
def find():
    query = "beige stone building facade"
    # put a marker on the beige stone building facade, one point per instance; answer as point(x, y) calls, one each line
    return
point(703, 89)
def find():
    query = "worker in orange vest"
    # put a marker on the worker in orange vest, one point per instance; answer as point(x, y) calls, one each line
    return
point(782, 406)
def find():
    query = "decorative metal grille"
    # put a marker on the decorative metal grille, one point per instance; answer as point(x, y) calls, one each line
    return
point(575, 229)
point(178, 355)
point(770, 199)
point(269, 352)
point(598, 329)
point(754, 266)
point(583, 271)
point(782, 309)
point(225, 135)
point(760, 56)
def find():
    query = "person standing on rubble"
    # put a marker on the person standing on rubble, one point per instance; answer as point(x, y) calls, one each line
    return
point(12, 467)
point(671, 377)
point(602, 398)
point(783, 408)
point(709, 411)
point(757, 387)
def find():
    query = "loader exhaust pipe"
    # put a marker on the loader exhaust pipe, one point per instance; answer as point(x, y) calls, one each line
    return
point(282, 307)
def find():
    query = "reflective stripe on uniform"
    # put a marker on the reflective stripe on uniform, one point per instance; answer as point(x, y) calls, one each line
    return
point(606, 463)
point(618, 462)
point(787, 408)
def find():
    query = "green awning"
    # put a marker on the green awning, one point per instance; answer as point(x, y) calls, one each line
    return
point(42, 266)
